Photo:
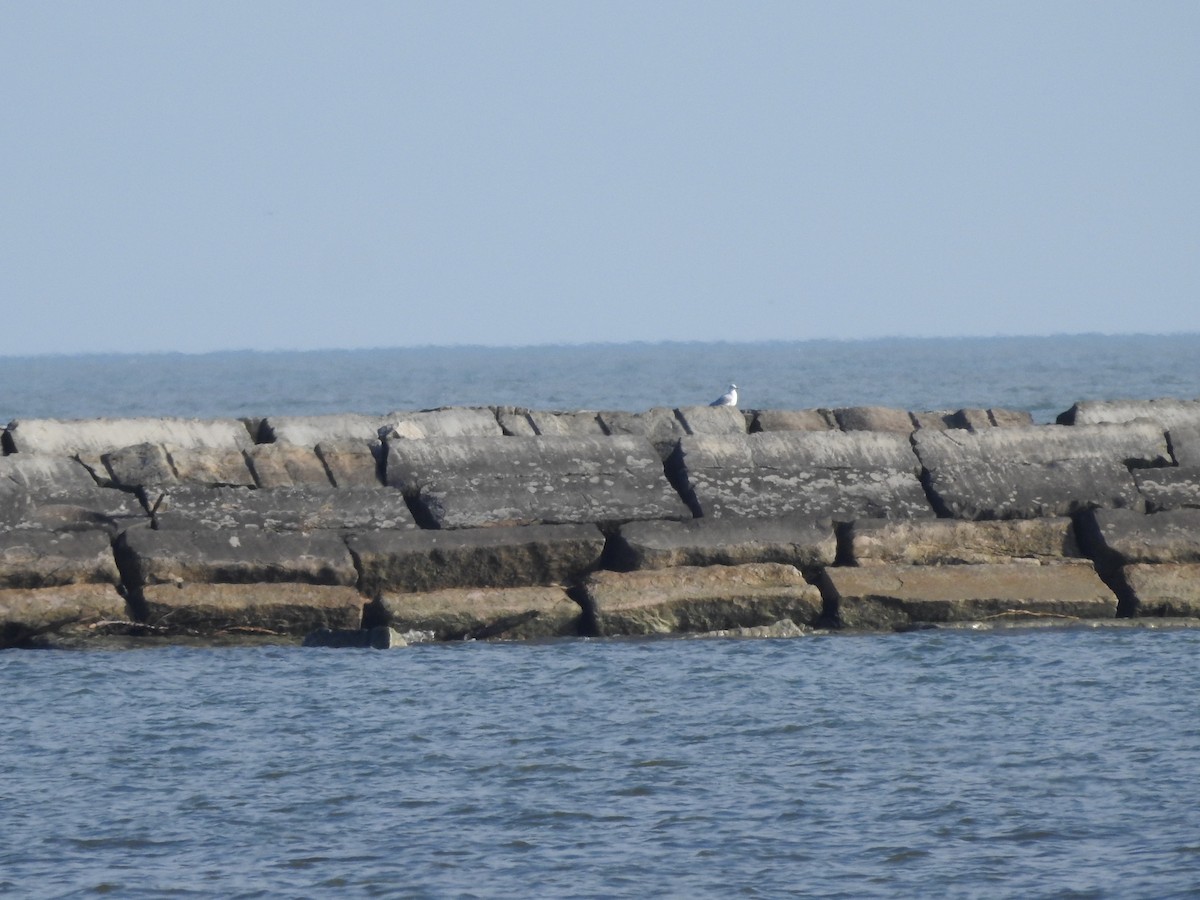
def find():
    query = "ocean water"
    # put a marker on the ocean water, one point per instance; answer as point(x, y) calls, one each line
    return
point(951, 763)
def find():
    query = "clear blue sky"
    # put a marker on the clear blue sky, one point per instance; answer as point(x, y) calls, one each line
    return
point(198, 176)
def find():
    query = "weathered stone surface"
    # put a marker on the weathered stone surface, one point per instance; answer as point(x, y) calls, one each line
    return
point(378, 638)
point(308, 431)
point(582, 423)
point(1168, 413)
point(283, 509)
point(784, 628)
point(712, 419)
point(833, 474)
point(514, 421)
point(476, 482)
point(420, 561)
point(793, 420)
point(139, 465)
point(211, 466)
point(92, 437)
point(1165, 590)
point(1171, 487)
point(148, 464)
point(703, 599)
point(241, 556)
point(659, 425)
point(874, 418)
point(927, 542)
point(1122, 537)
point(294, 609)
point(797, 541)
point(38, 559)
point(448, 422)
point(1011, 418)
point(58, 493)
point(1185, 445)
point(900, 596)
point(28, 613)
point(974, 419)
point(517, 613)
point(352, 463)
point(1049, 470)
point(287, 465)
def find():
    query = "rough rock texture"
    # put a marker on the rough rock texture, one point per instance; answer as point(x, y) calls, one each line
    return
point(37, 559)
point(1121, 537)
point(828, 474)
point(419, 561)
point(874, 418)
point(1185, 445)
point(1172, 487)
point(938, 542)
point(704, 599)
point(352, 464)
point(243, 556)
point(294, 609)
point(582, 423)
point(209, 466)
point(282, 509)
point(448, 422)
point(1165, 590)
point(1048, 470)
point(793, 420)
point(58, 493)
point(518, 613)
point(1168, 413)
point(476, 482)
point(712, 419)
point(379, 638)
point(658, 425)
point(287, 465)
point(900, 596)
point(308, 431)
point(139, 465)
point(72, 608)
point(797, 541)
point(89, 438)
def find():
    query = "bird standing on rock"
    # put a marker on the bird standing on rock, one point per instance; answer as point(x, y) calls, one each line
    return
point(729, 398)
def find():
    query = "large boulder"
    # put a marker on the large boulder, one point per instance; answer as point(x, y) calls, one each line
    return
point(1171, 487)
point(232, 555)
point(308, 431)
point(290, 609)
point(286, 466)
point(1167, 413)
point(659, 425)
point(421, 561)
point(474, 482)
point(59, 494)
point(1185, 445)
point(1048, 470)
point(32, 558)
point(281, 509)
point(1121, 537)
point(150, 464)
point(517, 613)
point(712, 419)
point(793, 420)
point(28, 614)
point(938, 542)
point(874, 418)
point(797, 541)
point(582, 423)
point(1164, 590)
point(447, 422)
point(900, 596)
point(698, 599)
point(817, 475)
point(352, 463)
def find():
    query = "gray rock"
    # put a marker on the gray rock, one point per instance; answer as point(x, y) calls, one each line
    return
point(712, 419)
point(477, 482)
point(282, 509)
point(1168, 413)
point(1165, 590)
point(211, 466)
point(308, 431)
point(284, 465)
point(421, 561)
point(239, 556)
point(703, 599)
point(514, 421)
point(378, 638)
point(818, 475)
point(59, 494)
point(352, 463)
point(448, 422)
point(1122, 538)
point(566, 423)
point(1185, 445)
point(39, 559)
point(658, 425)
point(92, 437)
point(1172, 487)
point(1011, 418)
point(874, 418)
point(139, 465)
point(800, 542)
point(793, 420)
point(27, 614)
point(941, 542)
point(900, 596)
point(517, 613)
point(291, 609)
point(1137, 443)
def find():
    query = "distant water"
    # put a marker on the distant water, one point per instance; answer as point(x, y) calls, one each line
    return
point(1059, 763)
point(1042, 375)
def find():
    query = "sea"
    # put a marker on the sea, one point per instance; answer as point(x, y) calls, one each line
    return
point(968, 762)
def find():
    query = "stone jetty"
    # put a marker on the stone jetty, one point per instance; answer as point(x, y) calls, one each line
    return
point(502, 523)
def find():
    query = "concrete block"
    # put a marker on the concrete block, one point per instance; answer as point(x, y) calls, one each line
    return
point(291, 609)
point(712, 419)
point(517, 613)
point(282, 509)
point(31, 558)
point(793, 420)
point(1170, 589)
point(939, 542)
point(284, 465)
point(28, 614)
point(448, 422)
point(874, 418)
point(797, 541)
point(1122, 537)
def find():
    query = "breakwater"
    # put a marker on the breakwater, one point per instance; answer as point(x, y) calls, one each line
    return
point(511, 523)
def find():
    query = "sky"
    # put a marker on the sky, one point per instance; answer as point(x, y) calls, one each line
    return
point(198, 176)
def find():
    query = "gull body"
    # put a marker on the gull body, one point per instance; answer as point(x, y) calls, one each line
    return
point(729, 398)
